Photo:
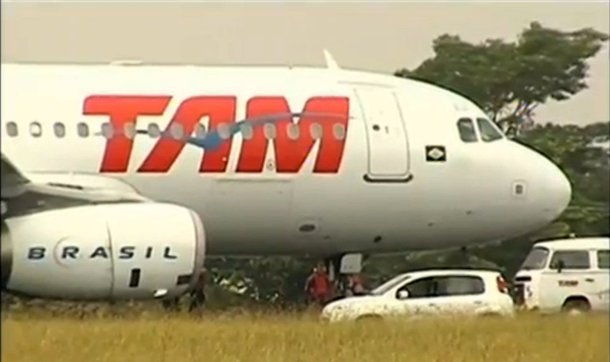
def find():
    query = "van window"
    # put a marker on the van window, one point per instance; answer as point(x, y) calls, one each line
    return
point(572, 259)
point(603, 259)
point(466, 130)
point(536, 259)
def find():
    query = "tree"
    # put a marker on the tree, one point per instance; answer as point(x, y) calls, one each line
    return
point(509, 80)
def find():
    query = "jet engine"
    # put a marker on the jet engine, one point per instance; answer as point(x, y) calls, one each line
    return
point(114, 251)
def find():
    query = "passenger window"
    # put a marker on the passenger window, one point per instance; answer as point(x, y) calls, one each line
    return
point(35, 129)
point(59, 129)
point(572, 259)
point(293, 131)
point(459, 285)
point(177, 131)
point(153, 130)
point(129, 130)
point(82, 129)
point(12, 129)
point(224, 131)
point(339, 131)
point(269, 131)
point(316, 131)
point(603, 259)
point(107, 130)
point(488, 131)
point(246, 131)
point(466, 130)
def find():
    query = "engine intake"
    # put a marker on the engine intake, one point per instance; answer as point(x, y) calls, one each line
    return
point(107, 251)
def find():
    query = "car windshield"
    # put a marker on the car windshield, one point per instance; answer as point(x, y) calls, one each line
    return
point(536, 259)
point(383, 288)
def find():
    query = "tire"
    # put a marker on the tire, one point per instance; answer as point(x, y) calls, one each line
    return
point(576, 306)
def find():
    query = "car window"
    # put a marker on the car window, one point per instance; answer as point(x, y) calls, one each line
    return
point(603, 259)
point(571, 259)
point(420, 288)
point(460, 285)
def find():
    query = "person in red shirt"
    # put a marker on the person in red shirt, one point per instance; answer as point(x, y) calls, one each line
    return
point(318, 285)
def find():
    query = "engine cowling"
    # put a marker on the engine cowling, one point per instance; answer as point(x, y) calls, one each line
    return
point(106, 251)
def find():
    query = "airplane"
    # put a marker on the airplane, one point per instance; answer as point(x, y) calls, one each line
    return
point(131, 174)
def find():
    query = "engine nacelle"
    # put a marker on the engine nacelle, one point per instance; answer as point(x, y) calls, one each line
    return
point(106, 251)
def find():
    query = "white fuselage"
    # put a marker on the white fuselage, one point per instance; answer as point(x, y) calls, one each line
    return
point(385, 195)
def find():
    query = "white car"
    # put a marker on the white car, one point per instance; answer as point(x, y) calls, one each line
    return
point(430, 292)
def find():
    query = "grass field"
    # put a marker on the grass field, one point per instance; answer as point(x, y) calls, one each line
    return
point(180, 338)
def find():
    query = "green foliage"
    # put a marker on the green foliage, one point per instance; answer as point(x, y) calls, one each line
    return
point(510, 79)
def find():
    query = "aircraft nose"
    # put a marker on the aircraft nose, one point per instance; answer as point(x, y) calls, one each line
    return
point(554, 189)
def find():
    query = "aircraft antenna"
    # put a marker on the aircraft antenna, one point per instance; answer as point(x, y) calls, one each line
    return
point(330, 60)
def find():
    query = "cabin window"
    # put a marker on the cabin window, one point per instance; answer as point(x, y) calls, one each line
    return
point(153, 130)
point(129, 130)
point(466, 129)
point(603, 259)
point(35, 129)
point(177, 131)
point(293, 131)
point(488, 131)
point(12, 129)
point(339, 131)
point(224, 131)
point(200, 131)
point(107, 130)
point(82, 129)
point(59, 129)
point(246, 131)
point(571, 259)
point(316, 131)
point(269, 131)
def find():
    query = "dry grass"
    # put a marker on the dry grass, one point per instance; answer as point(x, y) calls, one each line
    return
point(152, 338)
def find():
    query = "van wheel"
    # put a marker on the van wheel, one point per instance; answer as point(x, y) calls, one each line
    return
point(576, 306)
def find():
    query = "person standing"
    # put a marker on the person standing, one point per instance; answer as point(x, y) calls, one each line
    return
point(318, 285)
point(198, 292)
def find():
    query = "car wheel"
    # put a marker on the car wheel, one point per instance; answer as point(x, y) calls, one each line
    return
point(576, 306)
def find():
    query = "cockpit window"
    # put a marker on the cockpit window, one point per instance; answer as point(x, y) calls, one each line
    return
point(489, 132)
point(467, 131)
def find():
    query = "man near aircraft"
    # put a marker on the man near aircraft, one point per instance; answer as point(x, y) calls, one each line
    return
point(198, 292)
point(318, 285)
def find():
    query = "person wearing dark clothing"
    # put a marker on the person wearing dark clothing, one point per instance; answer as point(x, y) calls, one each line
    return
point(198, 293)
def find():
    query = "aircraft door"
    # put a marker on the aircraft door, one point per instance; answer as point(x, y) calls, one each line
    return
point(388, 153)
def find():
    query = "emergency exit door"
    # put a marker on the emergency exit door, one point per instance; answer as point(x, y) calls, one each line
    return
point(388, 153)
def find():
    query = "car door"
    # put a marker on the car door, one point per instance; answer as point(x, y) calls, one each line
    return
point(569, 274)
point(461, 294)
point(420, 292)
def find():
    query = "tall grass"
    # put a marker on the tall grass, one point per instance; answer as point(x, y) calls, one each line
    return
point(301, 337)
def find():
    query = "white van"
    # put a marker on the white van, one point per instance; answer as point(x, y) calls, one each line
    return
point(570, 275)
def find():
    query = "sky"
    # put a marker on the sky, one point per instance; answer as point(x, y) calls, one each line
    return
point(381, 36)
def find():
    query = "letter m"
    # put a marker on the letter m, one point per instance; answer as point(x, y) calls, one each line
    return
point(294, 142)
